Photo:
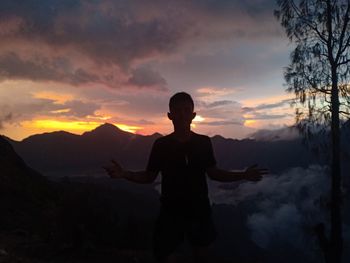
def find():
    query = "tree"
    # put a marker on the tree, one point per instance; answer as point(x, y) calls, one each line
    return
point(319, 76)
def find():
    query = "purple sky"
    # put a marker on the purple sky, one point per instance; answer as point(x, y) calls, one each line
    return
point(72, 65)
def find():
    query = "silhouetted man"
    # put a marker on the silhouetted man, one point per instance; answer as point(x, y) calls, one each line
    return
point(183, 158)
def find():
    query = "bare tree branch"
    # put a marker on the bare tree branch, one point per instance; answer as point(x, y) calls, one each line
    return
point(344, 28)
point(343, 62)
point(308, 22)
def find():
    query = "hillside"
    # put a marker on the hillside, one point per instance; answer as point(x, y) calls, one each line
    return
point(70, 220)
point(62, 153)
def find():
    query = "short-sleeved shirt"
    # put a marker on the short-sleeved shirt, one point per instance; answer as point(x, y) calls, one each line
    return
point(185, 208)
point(183, 167)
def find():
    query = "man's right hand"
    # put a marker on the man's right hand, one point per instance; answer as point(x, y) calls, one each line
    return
point(255, 174)
point(114, 170)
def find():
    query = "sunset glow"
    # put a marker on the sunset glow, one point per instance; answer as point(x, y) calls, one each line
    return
point(56, 125)
point(174, 131)
point(128, 128)
point(250, 123)
point(198, 118)
point(52, 80)
point(77, 127)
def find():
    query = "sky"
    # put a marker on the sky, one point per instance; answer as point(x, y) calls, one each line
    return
point(73, 65)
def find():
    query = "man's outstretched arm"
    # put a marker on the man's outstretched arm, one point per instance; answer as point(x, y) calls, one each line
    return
point(141, 177)
point(252, 173)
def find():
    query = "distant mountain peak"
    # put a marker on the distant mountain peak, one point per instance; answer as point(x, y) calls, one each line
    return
point(107, 129)
point(218, 137)
point(48, 135)
point(157, 134)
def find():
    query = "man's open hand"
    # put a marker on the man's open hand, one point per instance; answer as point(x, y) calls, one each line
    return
point(253, 173)
point(114, 170)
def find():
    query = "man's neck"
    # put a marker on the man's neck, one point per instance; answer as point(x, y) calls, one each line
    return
point(182, 135)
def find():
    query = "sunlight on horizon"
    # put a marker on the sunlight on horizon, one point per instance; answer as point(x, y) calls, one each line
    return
point(250, 123)
point(76, 127)
point(198, 118)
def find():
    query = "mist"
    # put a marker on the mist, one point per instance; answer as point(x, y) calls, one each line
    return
point(285, 208)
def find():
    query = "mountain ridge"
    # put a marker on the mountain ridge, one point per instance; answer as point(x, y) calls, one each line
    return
point(66, 153)
point(62, 152)
point(107, 129)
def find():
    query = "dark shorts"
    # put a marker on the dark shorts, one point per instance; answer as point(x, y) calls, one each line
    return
point(175, 223)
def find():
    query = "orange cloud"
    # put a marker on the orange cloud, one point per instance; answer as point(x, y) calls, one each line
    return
point(57, 97)
point(266, 100)
point(215, 92)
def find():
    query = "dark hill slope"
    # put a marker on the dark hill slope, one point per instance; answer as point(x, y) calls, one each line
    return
point(24, 193)
point(68, 154)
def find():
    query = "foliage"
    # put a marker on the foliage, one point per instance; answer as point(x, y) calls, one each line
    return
point(319, 77)
point(320, 48)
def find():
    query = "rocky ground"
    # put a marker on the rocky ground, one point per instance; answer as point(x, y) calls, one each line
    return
point(18, 247)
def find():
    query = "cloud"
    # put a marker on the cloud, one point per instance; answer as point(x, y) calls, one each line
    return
point(218, 108)
point(145, 122)
point(79, 109)
point(284, 208)
point(255, 9)
point(106, 31)
point(216, 103)
point(288, 205)
point(146, 77)
point(80, 42)
point(35, 106)
point(265, 106)
point(286, 133)
point(229, 112)
point(42, 69)
point(221, 123)
point(267, 116)
point(27, 106)
point(269, 111)
point(214, 92)
point(129, 121)
point(119, 34)
point(14, 67)
point(5, 117)
point(140, 105)
point(216, 112)
point(140, 51)
point(285, 219)
point(243, 19)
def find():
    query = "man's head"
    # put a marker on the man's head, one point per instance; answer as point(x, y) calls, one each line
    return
point(181, 109)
